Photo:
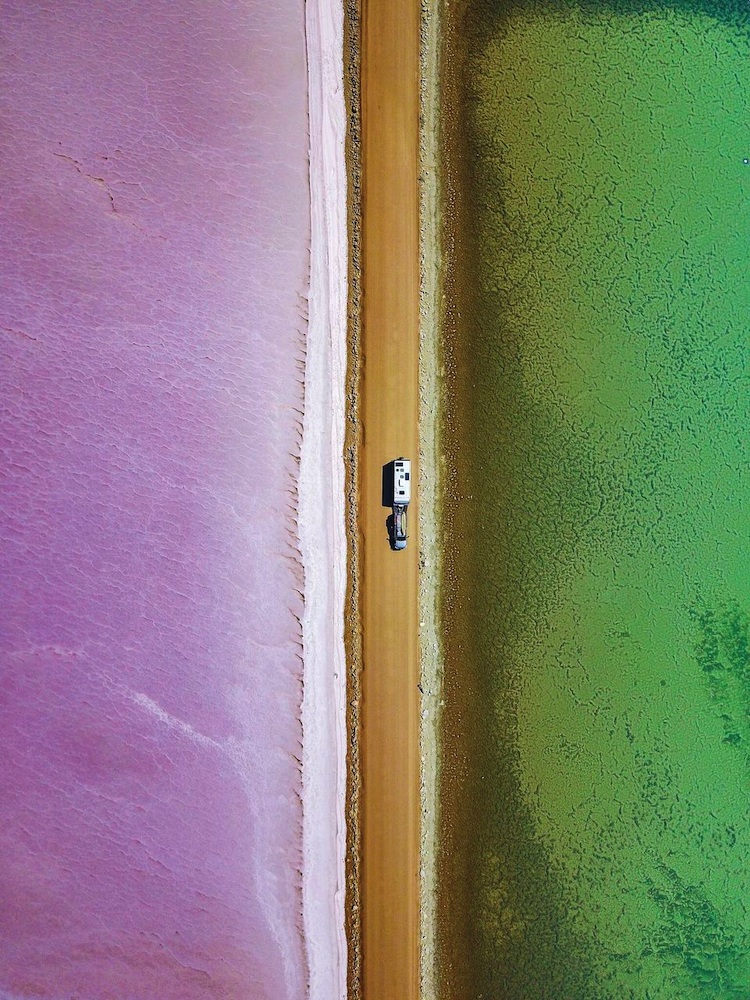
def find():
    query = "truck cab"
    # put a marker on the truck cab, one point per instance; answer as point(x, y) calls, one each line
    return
point(398, 532)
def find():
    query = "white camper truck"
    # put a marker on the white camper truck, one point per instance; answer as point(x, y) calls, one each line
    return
point(401, 498)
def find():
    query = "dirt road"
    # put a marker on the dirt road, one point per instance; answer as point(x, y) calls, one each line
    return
point(390, 407)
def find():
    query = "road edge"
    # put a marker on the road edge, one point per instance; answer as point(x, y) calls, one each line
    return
point(430, 486)
point(352, 447)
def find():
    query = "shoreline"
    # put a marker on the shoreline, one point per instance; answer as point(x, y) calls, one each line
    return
point(448, 703)
point(430, 486)
point(322, 536)
point(353, 444)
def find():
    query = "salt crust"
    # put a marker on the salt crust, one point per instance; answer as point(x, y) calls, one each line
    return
point(321, 514)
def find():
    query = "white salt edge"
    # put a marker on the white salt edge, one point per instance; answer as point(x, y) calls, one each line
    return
point(322, 530)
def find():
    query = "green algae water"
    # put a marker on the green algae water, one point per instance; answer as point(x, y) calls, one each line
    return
point(597, 730)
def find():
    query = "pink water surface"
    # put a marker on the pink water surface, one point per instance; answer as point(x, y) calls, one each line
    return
point(153, 263)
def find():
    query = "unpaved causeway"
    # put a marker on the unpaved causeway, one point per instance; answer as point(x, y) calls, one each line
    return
point(389, 410)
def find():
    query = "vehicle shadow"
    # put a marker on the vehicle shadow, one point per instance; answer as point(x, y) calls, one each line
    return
point(388, 483)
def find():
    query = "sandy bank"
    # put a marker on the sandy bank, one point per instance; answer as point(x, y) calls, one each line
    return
point(321, 514)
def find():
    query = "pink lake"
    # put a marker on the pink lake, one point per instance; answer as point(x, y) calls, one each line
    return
point(154, 267)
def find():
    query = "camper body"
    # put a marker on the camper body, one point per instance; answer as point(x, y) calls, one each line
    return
point(400, 501)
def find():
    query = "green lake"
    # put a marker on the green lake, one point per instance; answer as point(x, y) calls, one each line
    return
point(597, 730)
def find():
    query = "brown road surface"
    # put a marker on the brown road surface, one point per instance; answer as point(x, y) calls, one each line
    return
point(390, 407)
